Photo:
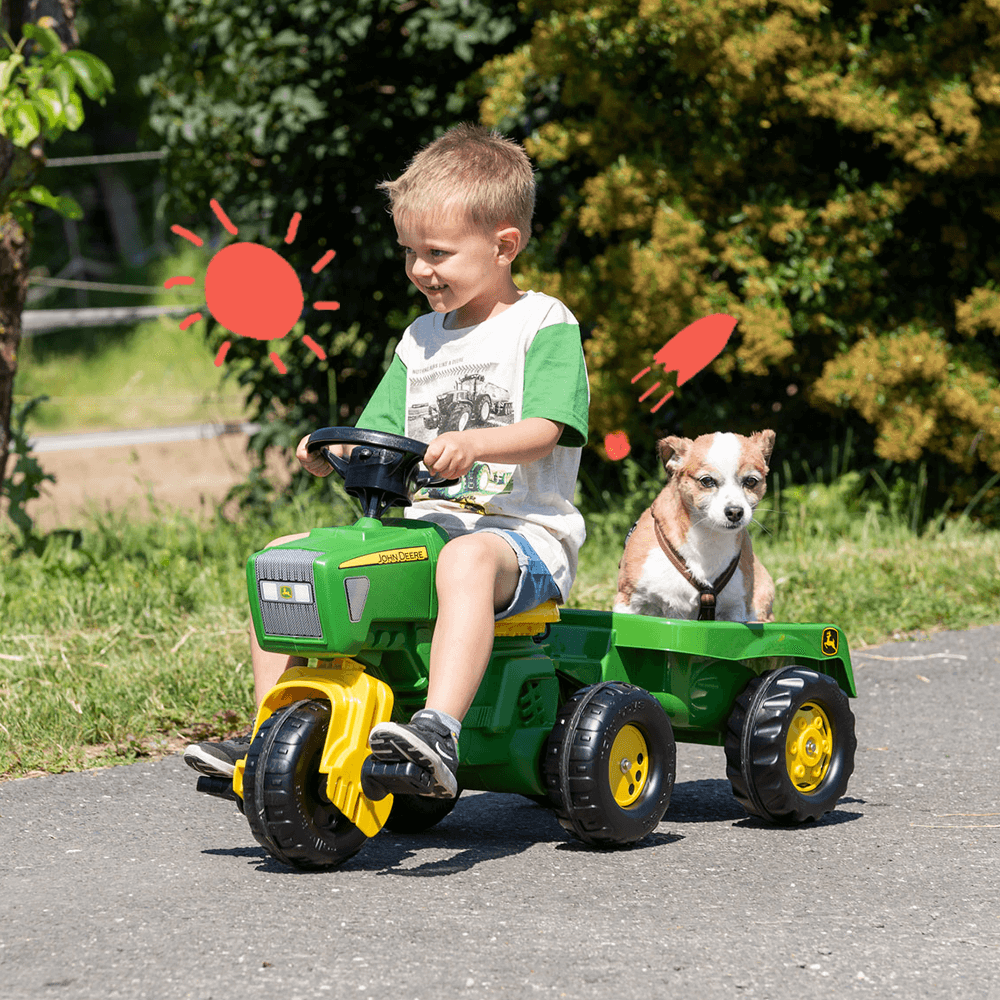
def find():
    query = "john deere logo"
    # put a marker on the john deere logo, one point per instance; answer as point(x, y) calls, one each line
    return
point(286, 594)
point(831, 641)
point(388, 557)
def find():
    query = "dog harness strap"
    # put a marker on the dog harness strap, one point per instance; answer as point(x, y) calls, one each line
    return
point(707, 593)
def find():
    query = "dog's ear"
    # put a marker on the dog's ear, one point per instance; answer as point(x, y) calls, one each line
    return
point(672, 451)
point(765, 441)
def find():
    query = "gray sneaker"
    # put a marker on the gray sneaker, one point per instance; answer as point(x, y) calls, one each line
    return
point(217, 758)
point(426, 742)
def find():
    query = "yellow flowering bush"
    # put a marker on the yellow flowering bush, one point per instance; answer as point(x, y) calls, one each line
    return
point(826, 173)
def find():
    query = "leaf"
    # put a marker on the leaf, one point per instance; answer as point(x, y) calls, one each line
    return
point(63, 204)
point(49, 103)
point(93, 75)
point(44, 36)
point(63, 79)
point(8, 68)
point(73, 112)
point(25, 128)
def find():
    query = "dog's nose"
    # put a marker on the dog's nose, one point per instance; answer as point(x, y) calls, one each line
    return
point(734, 514)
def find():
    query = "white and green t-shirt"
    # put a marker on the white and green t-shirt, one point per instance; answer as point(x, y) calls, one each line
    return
point(525, 362)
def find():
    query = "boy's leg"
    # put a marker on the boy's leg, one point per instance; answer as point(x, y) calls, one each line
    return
point(219, 757)
point(477, 575)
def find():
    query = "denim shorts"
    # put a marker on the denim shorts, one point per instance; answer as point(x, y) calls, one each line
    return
point(535, 585)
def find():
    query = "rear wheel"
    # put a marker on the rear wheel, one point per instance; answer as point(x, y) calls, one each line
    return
point(790, 745)
point(609, 764)
point(284, 791)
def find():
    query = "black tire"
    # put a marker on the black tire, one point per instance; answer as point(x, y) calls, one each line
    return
point(591, 801)
point(794, 779)
point(416, 813)
point(284, 793)
point(484, 410)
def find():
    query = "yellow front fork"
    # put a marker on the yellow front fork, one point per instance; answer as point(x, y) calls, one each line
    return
point(357, 703)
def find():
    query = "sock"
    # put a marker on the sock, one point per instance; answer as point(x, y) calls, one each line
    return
point(444, 718)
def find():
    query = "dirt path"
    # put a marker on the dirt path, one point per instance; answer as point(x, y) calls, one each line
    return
point(192, 476)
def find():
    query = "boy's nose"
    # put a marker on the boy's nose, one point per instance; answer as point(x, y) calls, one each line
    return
point(421, 269)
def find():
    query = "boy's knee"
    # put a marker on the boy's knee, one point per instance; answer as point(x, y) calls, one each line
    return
point(476, 557)
point(287, 538)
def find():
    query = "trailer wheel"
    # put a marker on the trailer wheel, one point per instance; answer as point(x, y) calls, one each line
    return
point(609, 764)
point(790, 745)
point(284, 792)
point(416, 813)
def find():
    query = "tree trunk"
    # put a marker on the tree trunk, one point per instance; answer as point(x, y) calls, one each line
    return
point(15, 243)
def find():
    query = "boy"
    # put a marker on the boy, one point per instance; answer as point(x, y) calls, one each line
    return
point(462, 212)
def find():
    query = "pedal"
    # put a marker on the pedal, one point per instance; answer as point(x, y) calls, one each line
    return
point(379, 779)
point(221, 788)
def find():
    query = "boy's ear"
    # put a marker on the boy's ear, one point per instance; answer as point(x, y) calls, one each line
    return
point(509, 244)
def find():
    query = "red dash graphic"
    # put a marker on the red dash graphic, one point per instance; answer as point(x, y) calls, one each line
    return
point(293, 227)
point(282, 370)
point(323, 261)
point(223, 351)
point(649, 392)
point(188, 320)
point(314, 347)
point(188, 235)
point(180, 280)
point(326, 305)
point(223, 218)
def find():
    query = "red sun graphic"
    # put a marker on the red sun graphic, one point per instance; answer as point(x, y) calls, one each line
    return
point(251, 290)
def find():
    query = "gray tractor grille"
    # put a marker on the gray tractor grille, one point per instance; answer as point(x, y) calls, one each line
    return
point(287, 592)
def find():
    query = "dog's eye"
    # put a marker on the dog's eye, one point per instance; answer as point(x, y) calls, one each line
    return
point(707, 481)
point(750, 482)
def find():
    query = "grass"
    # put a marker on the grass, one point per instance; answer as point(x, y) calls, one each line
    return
point(151, 374)
point(131, 638)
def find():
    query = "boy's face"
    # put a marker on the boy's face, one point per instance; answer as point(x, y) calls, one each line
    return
point(459, 268)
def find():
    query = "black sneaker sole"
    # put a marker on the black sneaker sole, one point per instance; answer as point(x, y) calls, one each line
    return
point(392, 743)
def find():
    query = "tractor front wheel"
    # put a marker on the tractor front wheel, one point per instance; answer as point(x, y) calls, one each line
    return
point(284, 791)
point(609, 764)
point(790, 745)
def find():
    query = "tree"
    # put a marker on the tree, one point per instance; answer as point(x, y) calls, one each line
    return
point(824, 172)
point(305, 106)
point(40, 80)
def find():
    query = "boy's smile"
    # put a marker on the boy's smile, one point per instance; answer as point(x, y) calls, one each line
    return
point(460, 268)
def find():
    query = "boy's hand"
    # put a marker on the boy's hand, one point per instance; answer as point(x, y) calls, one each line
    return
point(451, 455)
point(314, 462)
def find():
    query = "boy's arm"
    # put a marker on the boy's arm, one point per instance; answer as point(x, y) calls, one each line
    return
point(452, 454)
point(383, 413)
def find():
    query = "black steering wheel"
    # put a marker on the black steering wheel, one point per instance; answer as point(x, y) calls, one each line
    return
point(382, 468)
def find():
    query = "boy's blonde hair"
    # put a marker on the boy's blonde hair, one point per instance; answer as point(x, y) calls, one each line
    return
point(487, 173)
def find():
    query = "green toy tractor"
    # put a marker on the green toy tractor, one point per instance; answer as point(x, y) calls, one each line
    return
point(580, 709)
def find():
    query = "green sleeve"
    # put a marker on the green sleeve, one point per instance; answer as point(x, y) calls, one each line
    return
point(386, 410)
point(555, 382)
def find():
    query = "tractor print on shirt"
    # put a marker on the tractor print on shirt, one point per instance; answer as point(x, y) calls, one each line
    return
point(471, 402)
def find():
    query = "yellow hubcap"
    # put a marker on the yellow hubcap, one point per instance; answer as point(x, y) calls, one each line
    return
point(808, 748)
point(628, 768)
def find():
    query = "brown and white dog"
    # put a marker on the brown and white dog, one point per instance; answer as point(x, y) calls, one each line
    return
point(689, 554)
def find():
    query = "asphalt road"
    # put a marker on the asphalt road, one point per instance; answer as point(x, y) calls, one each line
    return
point(126, 883)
